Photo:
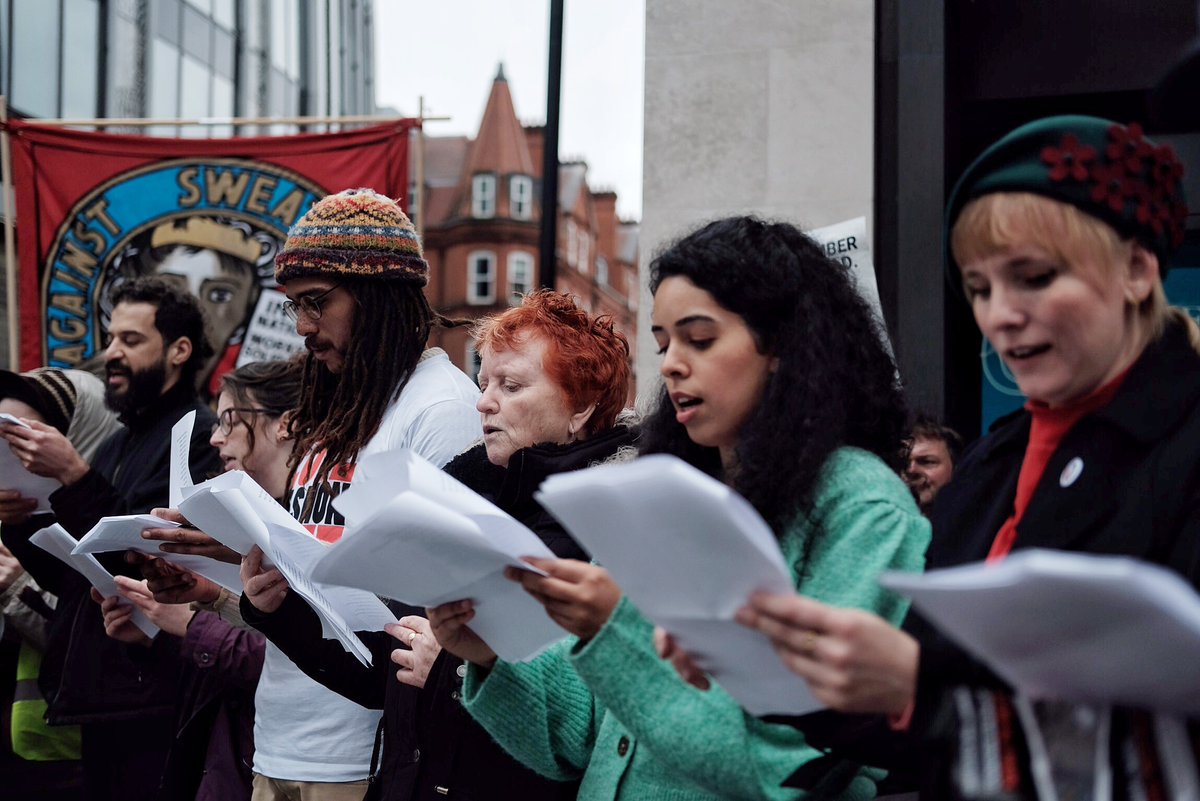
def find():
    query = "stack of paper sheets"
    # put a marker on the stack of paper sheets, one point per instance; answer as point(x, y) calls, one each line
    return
point(57, 541)
point(415, 534)
point(689, 552)
point(1075, 627)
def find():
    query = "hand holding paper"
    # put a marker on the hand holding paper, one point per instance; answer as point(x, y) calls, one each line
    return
point(56, 541)
point(417, 535)
point(656, 551)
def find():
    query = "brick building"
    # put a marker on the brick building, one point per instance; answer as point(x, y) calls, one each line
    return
point(482, 220)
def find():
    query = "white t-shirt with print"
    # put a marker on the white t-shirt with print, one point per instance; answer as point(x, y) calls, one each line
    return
point(303, 731)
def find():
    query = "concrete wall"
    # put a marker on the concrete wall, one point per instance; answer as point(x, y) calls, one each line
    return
point(755, 106)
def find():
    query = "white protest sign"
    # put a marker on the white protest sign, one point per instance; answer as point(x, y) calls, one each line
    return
point(849, 243)
point(271, 334)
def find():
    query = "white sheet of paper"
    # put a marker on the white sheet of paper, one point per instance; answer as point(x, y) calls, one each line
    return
point(181, 470)
point(1096, 629)
point(239, 514)
point(226, 515)
point(417, 535)
point(14, 476)
point(659, 525)
point(57, 541)
point(124, 533)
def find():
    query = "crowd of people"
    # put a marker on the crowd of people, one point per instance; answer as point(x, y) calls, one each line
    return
point(777, 380)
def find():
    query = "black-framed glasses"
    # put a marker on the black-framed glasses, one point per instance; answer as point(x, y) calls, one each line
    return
point(309, 304)
point(226, 420)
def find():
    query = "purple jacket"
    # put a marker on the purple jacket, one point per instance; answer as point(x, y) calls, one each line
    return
point(211, 757)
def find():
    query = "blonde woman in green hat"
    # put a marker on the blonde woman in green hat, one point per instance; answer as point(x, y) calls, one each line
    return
point(1059, 236)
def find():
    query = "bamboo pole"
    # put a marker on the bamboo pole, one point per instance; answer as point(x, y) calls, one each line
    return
point(10, 251)
point(142, 122)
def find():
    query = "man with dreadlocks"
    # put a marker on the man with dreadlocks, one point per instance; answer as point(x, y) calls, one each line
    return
point(353, 271)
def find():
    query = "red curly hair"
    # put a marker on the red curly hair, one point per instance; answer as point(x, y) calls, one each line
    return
point(585, 356)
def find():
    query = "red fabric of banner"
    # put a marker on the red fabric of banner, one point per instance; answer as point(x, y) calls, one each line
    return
point(90, 206)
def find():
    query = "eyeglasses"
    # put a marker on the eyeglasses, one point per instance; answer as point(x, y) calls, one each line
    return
point(309, 304)
point(226, 420)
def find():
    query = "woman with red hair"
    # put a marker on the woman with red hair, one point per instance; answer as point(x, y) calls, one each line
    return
point(554, 380)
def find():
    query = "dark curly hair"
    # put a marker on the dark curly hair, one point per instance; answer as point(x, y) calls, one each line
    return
point(835, 383)
point(177, 314)
point(586, 357)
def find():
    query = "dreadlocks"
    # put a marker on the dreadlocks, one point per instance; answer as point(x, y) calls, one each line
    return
point(388, 335)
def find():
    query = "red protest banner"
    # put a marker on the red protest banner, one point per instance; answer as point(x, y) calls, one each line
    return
point(96, 209)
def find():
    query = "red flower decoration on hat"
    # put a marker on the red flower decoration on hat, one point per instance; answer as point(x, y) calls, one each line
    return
point(1069, 159)
point(1112, 185)
point(1166, 169)
point(1128, 146)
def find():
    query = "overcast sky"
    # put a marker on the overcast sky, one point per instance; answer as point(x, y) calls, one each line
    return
point(448, 51)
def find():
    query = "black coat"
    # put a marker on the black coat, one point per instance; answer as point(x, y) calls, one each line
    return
point(1138, 495)
point(87, 677)
point(431, 746)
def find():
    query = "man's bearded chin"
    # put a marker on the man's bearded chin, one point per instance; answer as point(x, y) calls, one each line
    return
point(142, 387)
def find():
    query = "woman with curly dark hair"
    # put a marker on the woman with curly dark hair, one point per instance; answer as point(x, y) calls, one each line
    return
point(776, 381)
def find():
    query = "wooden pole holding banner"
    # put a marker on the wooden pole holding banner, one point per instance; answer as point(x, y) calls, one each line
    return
point(10, 250)
point(141, 122)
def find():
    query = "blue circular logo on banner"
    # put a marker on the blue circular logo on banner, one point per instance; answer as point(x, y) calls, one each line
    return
point(211, 225)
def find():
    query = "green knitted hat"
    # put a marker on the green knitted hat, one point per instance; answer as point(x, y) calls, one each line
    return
point(1110, 171)
point(357, 233)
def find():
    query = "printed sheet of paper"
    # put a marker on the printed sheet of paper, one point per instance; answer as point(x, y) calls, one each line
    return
point(57, 541)
point(415, 534)
point(233, 509)
point(657, 549)
point(1077, 627)
point(181, 469)
point(14, 476)
point(124, 533)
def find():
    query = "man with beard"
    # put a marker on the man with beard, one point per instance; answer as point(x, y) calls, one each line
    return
point(122, 696)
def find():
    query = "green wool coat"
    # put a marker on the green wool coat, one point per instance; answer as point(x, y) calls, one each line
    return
point(610, 710)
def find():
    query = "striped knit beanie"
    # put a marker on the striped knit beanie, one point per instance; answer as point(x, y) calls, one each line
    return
point(46, 389)
point(355, 233)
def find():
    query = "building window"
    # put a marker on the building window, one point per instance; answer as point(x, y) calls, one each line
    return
point(602, 271)
point(572, 242)
point(481, 277)
point(520, 276)
point(483, 195)
point(585, 241)
point(520, 197)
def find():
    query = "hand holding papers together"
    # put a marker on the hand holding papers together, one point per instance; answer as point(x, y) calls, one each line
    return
point(1076, 627)
point(415, 534)
point(688, 551)
point(14, 476)
point(56, 541)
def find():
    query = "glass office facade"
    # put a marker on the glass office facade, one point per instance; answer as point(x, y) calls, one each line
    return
point(187, 59)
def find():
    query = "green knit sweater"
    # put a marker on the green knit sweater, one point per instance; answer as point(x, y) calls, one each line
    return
point(612, 711)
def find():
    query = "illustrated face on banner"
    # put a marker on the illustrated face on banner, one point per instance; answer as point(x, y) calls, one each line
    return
point(213, 228)
point(219, 265)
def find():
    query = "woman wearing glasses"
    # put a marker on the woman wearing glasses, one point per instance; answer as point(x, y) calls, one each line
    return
point(214, 742)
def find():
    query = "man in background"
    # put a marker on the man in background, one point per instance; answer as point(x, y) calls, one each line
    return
point(930, 465)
